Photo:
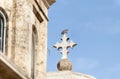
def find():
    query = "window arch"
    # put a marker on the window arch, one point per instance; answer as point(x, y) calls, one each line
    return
point(2, 31)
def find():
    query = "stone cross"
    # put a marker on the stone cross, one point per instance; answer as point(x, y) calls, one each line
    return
point(64, 45)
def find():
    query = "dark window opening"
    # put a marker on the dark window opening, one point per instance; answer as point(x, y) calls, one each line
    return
point(2, 32)
point(33, 54)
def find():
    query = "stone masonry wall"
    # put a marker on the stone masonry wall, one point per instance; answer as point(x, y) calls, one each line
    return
point(21, 19)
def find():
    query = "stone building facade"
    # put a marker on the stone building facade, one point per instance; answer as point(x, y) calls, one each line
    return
point(23, 38)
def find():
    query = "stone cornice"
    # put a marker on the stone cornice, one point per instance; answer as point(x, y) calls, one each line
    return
point(51, 1)
point(48, 2)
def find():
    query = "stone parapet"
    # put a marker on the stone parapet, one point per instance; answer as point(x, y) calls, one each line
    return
point(68, 75)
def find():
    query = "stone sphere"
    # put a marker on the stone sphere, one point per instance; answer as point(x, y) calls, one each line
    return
point(64, 65)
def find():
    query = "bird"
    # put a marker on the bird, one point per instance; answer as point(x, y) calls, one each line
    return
point(64, 32)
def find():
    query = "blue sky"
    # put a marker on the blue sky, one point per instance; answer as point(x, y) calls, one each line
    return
point(95, 26)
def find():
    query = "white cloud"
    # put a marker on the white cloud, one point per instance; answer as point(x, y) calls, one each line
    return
point(112, 72)
point(84, 64)
point(117, 2)
point(105, 26)
point(114, 69)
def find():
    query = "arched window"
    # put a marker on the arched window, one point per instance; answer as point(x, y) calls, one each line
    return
point(34, 50)
point(2, 31)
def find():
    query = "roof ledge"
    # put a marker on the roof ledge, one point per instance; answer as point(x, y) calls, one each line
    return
point(51, 1)
point(48, 3)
